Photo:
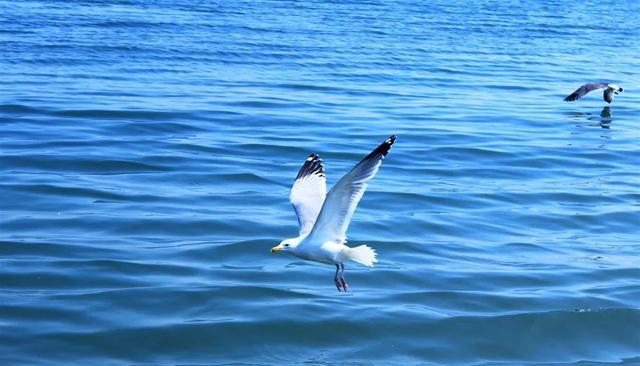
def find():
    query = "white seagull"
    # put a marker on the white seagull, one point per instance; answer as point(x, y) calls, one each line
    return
point(324, 218)
point(609, 91)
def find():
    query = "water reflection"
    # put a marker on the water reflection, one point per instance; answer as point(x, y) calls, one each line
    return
point(603, 120)
point(605, 117)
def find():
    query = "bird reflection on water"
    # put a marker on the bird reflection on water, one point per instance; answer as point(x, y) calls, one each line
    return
point(603, 121)
point(605, 117)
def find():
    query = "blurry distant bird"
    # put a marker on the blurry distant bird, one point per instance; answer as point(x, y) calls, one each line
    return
point(609, 91)
point(324, 221)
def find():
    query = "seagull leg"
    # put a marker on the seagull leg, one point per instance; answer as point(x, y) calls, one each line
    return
point(335, 279)
point(345, 286)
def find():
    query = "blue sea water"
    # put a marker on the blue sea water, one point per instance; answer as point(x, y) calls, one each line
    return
point(147, 149)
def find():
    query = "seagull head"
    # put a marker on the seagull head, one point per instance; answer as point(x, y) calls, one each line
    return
point(616, 89)
point(285, 246)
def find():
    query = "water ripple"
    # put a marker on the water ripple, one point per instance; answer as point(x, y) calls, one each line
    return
point(147, 150)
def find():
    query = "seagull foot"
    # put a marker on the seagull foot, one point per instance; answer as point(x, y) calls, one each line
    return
point(345, 285)
point(339, 285)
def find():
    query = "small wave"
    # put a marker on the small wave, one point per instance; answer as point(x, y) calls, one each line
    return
point(67, 164)
point(122, 114)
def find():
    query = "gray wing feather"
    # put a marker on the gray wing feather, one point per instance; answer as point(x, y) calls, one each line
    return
point(583, 90)
point(342, 200)
point(608, 95)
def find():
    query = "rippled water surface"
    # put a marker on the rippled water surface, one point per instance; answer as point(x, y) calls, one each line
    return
point(148, 147)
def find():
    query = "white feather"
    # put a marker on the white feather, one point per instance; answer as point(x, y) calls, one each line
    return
point(342, 200)
point(307, 196)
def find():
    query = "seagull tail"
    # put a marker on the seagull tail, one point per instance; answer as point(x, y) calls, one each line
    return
point(362, 254)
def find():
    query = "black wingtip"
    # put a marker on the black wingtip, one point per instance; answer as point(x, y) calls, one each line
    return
point(383, 149)
point(313, 165)
point(386, 146)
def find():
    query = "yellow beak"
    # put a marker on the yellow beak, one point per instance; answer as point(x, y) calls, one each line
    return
point(276, 249)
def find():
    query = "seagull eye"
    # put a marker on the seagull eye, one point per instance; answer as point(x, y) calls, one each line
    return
point(286, 245)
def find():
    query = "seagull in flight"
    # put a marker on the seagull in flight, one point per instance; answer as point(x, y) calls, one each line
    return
point(324, 218)
point(609, 91)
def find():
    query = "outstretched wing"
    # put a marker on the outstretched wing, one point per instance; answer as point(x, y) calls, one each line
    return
point(583, 90)
point(343, 198)
point(308, 193)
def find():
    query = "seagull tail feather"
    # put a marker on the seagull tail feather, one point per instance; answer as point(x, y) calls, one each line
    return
point(362, 254)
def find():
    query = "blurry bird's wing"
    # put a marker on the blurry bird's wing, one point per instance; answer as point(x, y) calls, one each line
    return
point(583, 90)
point(343, 198)
point(608, 95)
point(308, 193)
